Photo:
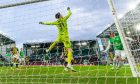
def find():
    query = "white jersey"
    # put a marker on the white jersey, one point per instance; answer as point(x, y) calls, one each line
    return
point(15, 56)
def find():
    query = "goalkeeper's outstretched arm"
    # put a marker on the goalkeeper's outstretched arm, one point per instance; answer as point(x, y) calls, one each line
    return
point(69, 13)
point(49, 23)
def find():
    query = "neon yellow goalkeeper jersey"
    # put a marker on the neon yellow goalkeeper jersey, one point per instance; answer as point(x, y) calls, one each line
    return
point(61, 24)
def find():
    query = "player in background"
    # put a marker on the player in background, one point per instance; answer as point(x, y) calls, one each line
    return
point(63, 35)
point(8, 56)
point(45, 60)
point(120, 54)
point(26, 60)
point(22, 59)
point(15, 56)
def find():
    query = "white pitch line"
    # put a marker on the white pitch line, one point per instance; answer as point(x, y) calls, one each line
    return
point(98, 77)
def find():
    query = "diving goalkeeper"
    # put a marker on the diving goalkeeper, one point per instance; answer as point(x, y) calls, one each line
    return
point(63, 35)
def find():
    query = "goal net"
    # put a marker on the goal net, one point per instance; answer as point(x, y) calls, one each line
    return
point(27, 31)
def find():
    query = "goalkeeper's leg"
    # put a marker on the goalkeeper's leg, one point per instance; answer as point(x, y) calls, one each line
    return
point(69, 56)
point(67, 45)
point(52, 46)
point(69, 59)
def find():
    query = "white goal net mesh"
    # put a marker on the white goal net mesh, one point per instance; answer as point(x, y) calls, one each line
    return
point(24, 42)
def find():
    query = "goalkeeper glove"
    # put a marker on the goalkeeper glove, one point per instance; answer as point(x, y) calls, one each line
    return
point(40, 22)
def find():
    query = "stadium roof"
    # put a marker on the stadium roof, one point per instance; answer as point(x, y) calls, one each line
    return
point(4, 40)
point(129, 19)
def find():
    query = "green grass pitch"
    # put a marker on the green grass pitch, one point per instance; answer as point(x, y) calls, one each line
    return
point(57, 75)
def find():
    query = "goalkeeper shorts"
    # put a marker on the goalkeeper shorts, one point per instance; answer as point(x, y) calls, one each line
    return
point(65, 40)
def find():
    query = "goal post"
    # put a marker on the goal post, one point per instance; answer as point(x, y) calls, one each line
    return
point(124, 42)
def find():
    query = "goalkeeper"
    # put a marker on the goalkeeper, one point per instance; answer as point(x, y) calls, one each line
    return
point(63, 35)
point(120, 54)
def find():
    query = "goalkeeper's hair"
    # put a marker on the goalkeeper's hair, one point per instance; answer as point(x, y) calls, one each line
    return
point(57, 15)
